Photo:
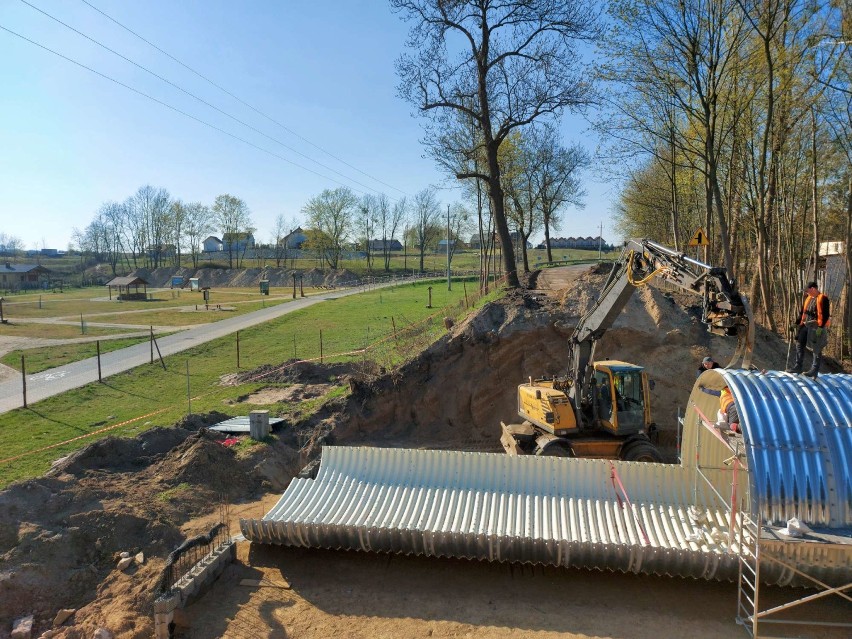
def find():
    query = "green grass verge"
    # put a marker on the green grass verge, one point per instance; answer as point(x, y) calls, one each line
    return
point(149, 396)
point(41, 359)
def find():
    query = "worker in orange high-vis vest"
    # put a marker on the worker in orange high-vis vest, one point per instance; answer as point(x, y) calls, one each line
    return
point(812, 329)
point(728, 414)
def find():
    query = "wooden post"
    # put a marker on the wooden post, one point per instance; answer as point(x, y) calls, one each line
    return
point(464, 286)
point(320, 347)
point(294, 286)
point(188, 393)
point(238, 349)
point(82, 325)
point(294, 346)
point(24, 378)
point(152, 344)
point(429, 305)
point(98, 344)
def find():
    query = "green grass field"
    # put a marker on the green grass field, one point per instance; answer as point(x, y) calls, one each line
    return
point(41, 359)
point(149, 396)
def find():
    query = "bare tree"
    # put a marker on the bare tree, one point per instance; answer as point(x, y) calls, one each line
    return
point(279, 243)
point(504, 65)
point(197, 223)
point(233, 217)
point(388, 219)
point(425, 221)
point(330, 217)
point(366, 223)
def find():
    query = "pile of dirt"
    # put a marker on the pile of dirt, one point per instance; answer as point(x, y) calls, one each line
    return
point(60, 535)
point(293, 371)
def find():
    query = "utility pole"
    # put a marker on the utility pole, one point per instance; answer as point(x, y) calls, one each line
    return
point(600, 244)
point(449, 280)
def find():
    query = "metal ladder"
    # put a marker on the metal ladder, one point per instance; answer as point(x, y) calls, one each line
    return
point(749, 574)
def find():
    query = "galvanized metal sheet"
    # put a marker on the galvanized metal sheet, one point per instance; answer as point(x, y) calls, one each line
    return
point(241, 424)
point(798, 438)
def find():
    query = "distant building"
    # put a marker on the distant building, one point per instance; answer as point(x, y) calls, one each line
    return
point(294, 239)
point(237, 242)
point(587, 243)
point(378, 246)
point(212, 244)
point(16, 277)
point(162, 251)
point(454, 244)
point(49, 252)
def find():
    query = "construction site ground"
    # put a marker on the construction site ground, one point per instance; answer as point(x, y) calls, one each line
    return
point(61, 535)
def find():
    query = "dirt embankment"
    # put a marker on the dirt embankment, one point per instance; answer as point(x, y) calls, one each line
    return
point(60, 534)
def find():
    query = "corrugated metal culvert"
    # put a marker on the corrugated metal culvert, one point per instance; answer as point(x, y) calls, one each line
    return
point(571, 512)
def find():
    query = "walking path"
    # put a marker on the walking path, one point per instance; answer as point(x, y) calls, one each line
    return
point(63, 378)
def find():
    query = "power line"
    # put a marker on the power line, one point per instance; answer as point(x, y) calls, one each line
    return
point(243, 102)
point(195, 97)
point(175, 109)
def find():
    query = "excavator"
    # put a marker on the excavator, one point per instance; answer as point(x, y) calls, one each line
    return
point(603, 409)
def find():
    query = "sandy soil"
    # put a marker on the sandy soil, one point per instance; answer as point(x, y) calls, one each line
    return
point(60, 535)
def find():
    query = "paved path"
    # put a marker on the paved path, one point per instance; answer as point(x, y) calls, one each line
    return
point(63, 378)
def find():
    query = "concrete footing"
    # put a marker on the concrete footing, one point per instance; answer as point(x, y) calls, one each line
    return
point(190, 586)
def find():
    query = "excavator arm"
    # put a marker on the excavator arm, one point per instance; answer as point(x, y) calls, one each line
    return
point(725, 311)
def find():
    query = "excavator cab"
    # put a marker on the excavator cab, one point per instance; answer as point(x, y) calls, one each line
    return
point(622, 396)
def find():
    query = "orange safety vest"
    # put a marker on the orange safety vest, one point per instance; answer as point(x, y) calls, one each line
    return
point(818, 299)
point(725, 400)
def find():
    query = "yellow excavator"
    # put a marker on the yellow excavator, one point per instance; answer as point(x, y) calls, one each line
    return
point(603, 409)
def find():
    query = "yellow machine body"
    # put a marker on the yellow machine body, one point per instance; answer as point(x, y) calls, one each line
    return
point(623, 399)
point(549, 408)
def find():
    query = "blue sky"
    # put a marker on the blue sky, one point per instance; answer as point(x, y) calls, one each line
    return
point(71, 140)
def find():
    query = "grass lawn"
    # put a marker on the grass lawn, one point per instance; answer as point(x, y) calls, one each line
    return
point(93, 301)
point(40, 359)
point(148, 396)
point(56, 331)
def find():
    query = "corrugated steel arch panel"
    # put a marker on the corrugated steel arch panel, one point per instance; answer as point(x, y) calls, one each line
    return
point(798, 436)
point(501, 508)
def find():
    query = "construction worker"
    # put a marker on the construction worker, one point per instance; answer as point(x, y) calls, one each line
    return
point(728, 414)
point(707, 364)
point(812, 329)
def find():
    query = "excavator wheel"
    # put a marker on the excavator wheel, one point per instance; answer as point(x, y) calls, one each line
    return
point(641, 450)
point(555, 448)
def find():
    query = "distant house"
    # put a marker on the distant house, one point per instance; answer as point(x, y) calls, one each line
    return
point(212, 244)
point(441, 247)
point(49, 252)
point(162, 251)
point(294, 239)
point(16, 277)
point(378, 246)
point(237, 242)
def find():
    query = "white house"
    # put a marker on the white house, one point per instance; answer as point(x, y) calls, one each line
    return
point(212, 244)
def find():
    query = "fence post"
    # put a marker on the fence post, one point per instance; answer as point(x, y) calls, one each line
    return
point(152, 344)
point(294, 286)
point(188, 392)
point(98, 344)
point(429, 305)
point(24, 378)
point(464, 286)
point(320, 347)
point(238, 349)
point(294, 346)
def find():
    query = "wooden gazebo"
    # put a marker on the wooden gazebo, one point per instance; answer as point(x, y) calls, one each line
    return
point(124, 284)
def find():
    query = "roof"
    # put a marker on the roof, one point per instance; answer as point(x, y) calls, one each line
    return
point(212, 237)
point(8, 267)
point(128, 280)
